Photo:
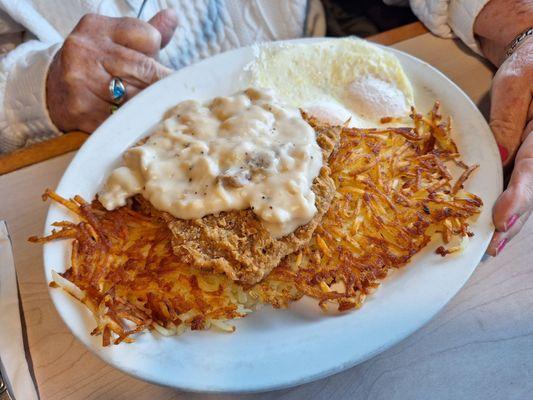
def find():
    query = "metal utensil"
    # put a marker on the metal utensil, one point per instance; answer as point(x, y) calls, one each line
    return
point(4, 389)
point(4, 392)
point(141, 9)
point(15, 354)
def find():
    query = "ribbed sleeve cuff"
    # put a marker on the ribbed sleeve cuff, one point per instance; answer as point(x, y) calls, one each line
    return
point(24, 117)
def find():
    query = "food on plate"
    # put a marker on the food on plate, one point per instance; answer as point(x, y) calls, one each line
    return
point(318, 186)
point(395, 190)
point(240, 181)
point(336, 80)
point(233, 153)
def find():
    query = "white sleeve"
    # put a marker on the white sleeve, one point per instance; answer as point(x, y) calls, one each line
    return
point(24, 117)
point(447, 17)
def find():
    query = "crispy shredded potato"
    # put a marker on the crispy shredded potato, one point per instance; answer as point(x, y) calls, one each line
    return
point(395, 192)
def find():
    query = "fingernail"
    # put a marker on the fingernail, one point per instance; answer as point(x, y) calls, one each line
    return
point(511, 221)
point(501, 245)
point(504, 154)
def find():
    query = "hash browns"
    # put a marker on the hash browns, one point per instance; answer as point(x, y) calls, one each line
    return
point(394, 192)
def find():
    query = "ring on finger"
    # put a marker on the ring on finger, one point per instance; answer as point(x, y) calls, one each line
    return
point(117, 90)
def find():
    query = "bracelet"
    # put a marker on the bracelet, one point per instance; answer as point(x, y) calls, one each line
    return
point(517, 41)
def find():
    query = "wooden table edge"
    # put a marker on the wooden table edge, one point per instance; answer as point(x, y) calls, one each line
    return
point(399, 34)
point(73, 140)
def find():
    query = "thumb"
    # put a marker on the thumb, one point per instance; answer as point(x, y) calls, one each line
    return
point(515, 204)
point(517, 199)
point(165, 22)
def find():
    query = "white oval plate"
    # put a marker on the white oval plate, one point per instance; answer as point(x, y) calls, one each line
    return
point(274, 349)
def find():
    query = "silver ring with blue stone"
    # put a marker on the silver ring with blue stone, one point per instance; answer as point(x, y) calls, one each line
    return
point(117, 90)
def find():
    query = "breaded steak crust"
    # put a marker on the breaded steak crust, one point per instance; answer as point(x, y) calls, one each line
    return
point(235, 242)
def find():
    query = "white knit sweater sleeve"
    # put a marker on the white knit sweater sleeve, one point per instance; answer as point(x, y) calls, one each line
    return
point(24, 117)
point(447, 17)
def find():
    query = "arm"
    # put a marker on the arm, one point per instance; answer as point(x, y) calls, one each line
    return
point(446, 18)
point(488, 27)
point(498, 23)
point(23, 115)
point(97, 50)
point(511, 114)
point(46, 89)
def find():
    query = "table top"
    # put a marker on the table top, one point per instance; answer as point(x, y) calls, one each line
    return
point(479, 347)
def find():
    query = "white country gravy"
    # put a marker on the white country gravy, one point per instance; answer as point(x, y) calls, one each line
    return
point(243, 151)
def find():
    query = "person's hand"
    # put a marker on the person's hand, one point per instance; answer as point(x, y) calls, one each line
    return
point(511, 120)
point(98, 49)
point(511, 113)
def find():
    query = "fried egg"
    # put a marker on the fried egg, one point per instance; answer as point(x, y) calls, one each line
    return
point(336, 80)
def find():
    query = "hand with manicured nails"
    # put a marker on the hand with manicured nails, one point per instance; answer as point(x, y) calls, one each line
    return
point(512, 124)
point(98, 49)
point(511, 113)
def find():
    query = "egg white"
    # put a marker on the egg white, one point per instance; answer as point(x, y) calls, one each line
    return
point(336, 80)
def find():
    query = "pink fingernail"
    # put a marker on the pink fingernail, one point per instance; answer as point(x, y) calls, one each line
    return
point(504, 153)
point(501, 245)
point(511, 221)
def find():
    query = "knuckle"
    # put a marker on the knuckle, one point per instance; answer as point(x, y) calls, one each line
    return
point(70, 76)
point(501, 124)
point(505, 129)
point(75, 58)
point(73, 48)
point(70, 46)
point(88, 20)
